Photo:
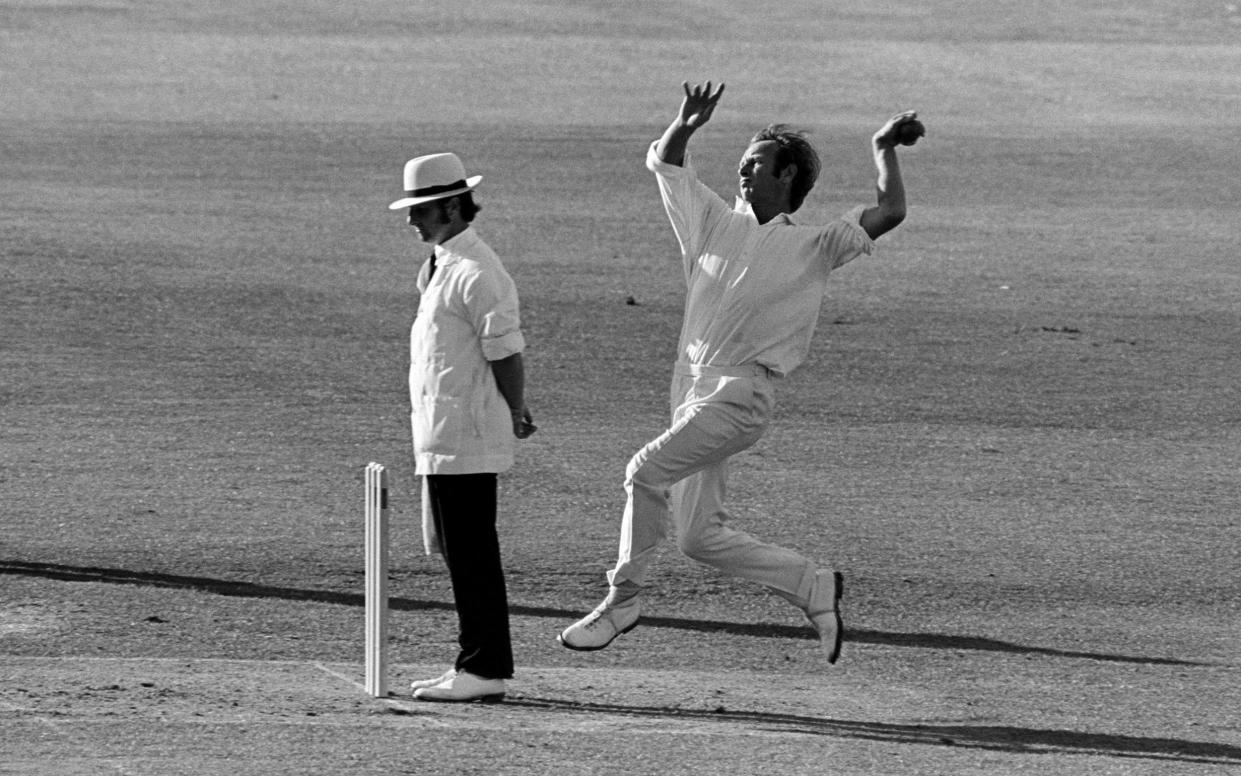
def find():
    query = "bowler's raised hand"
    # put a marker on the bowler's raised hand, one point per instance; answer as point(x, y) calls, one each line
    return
point(699, 103)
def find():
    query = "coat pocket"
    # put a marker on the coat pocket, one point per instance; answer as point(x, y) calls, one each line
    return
point(440, 424)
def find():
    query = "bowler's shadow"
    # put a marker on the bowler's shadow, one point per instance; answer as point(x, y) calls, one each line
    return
point(754, 630)
point(998, 738)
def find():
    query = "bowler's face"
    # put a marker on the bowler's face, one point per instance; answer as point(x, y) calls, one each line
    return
point(430, 221)
point(757, 180)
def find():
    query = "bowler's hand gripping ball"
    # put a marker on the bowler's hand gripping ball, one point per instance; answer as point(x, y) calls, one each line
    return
point(908, 133)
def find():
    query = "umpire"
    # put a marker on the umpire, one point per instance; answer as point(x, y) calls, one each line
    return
point(466, 388)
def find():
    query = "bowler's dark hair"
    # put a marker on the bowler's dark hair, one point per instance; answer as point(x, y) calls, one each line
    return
point(794, 148)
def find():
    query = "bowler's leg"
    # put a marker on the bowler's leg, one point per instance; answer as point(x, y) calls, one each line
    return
point(643, 526)
point(704, 535)
point(688, 446)
point(644, 523)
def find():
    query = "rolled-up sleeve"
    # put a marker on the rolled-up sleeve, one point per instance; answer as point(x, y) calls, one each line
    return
point(494, 310)
point(496, 348)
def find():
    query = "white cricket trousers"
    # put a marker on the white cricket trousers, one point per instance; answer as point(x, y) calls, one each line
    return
point(680, 478)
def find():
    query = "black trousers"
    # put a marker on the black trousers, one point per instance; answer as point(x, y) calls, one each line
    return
point(463, 507)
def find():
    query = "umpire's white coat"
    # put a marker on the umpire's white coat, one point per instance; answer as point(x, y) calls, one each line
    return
point(467, 316)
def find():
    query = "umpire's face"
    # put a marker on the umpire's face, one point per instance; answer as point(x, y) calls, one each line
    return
point(432, 220)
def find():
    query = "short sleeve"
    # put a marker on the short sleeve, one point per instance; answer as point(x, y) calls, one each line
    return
point(844, 240)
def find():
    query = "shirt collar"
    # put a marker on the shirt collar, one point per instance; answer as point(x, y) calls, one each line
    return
point(451, 249)
point(743, 207)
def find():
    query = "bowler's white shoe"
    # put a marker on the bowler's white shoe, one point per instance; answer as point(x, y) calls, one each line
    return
point(616, 615)
point(444, 677)
point(824, 612)
point(463, 687)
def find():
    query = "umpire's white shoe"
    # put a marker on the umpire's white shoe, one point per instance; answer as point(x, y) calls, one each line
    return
point(824, 612)
point(463, 687)
point(444, 677)
point(616, 615)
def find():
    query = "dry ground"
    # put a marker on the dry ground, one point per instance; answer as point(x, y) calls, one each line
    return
point(1017, 433)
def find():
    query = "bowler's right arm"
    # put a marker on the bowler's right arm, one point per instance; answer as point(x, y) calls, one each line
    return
point(696, 110)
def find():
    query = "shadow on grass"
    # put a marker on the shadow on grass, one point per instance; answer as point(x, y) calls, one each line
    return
point(756, 630)
point(999, 738)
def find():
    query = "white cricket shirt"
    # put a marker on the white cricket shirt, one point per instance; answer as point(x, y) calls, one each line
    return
point(754, 290)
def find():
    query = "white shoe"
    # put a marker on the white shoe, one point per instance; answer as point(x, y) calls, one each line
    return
point(444, 677)
point(463, 687)
point(824, 612)
point(609, 620)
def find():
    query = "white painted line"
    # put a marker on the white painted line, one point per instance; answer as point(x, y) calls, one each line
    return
point(340, 676)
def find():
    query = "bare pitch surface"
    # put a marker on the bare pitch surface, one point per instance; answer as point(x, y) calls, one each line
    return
point(274, 717)
point(1016, 435)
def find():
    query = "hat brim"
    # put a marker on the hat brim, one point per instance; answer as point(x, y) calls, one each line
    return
point(470, 184)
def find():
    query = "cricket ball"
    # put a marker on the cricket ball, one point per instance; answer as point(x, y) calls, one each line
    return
point(908, 133)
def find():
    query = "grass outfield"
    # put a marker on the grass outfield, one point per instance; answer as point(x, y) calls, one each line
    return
point(1017, 433)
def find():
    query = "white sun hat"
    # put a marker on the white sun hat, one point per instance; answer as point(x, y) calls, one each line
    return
point(434, 176)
